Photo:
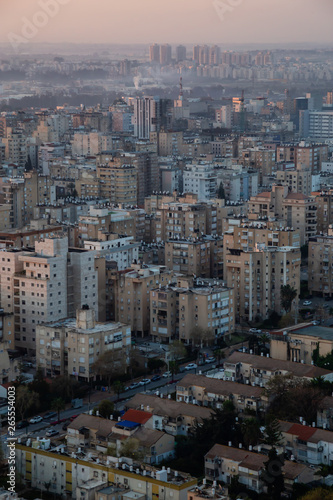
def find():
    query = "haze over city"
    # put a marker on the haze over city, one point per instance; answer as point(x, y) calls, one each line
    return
point(176, 21)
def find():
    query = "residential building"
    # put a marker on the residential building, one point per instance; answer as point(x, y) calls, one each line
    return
point(70, 473)
point(131, 299)
point(223, 463)
point(324, 202)
point(119, 182)
point(257, 276)
point(298, 343)
point(201, 180)
point(307, 444)
point(122, 250)
point(310, 155)
point(175, 418)
point(71, 346)
point(298, 180)
point(146, 116)
point(180, 53)
point(179, 309)
point(154, 53)
point(212, 392)
point(320, 258)
point(258, 370)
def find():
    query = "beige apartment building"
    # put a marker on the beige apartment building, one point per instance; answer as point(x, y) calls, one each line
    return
point(130, 291)
point(298, 343)
point(71, 474)
point(183, 218)
point(320, 260)
point(169, 143)
point(179, 309)
point(119, 182)
point(257, 276)
point(212, 392)
point(46, 284)
point(259, 159)
point(295, 210)
point(70, 346)
point(15, 146)
point(188, 257)
point(324, 202)
point(311, 156)
point(298, 180)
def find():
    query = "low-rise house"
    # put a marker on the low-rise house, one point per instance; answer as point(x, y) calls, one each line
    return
point(307, 444)
point(198, 389)
point(258, 370)
point(96, 433)
point(222, 463)
point(173, 417)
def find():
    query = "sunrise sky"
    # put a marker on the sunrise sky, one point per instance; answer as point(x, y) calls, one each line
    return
point(174, 21)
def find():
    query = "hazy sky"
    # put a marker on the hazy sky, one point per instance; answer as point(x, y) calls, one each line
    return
point(146, 21)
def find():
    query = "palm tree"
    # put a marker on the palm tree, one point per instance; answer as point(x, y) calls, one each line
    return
point(58, 405)
point(219, 354)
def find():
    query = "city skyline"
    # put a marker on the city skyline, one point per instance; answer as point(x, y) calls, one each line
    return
point(196, 21)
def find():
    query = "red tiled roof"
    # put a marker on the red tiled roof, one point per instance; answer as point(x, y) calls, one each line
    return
point(296, 196)
point(137, 416)
point(303, 432)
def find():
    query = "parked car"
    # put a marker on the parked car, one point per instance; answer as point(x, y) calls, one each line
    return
point(135, 385)
point(316, 323)
point(49, 414)
point(307, 303)
point(36, 420)
point(191, 366)
point(166, 374)
point(73, 417)
point(211, 359)
point(254, 330)
point(22, 424)
point(145, 381)
point(155, 378)
point(51, 433)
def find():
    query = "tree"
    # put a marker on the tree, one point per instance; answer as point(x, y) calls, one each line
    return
point(221, 192)
point(118, 387)
point(25, 400)
point(272, 434)
point(319, 494)
point(219, 354)
point(108, 365)
point(28, 165)
point(202, 336)
point(288, 294)
point(58, 405)
point(177, 350)
point(131, 449)
point(173, 367)
point(105, 408)
point(251, 431)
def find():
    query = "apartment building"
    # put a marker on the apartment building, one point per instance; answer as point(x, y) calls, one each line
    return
point(15, 146)
point(298, 180)
point(131, 294)
point(45, 285)
point(324, 203)
point(177, 309)
point(300, 212)
point(257, 276)
point(212, 392)
point(71, 346)
point(310, 155)
point(119, 182)
point(260, 159)
point(223, 463)
point(68, 474)
point(238, 183)
point(298, 343)
point(174, 417)
point(122, 250)
point(169, 143)
point(103, 220)
point(295, 209)
point(201, 180)
point(258, 370)
point(320, 259)
point(307, 444)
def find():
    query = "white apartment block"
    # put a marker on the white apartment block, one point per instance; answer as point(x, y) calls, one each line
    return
point(200, 179)
point(124, 251)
